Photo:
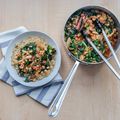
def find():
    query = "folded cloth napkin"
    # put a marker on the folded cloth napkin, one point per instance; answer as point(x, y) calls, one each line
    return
point(44, 94)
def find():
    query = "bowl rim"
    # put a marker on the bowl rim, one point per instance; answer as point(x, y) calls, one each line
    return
point(37, 83)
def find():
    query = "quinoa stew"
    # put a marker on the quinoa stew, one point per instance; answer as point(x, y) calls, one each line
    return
point(33, 58)
point(76, 43)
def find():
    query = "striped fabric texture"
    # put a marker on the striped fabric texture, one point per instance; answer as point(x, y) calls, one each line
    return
point(44, 94)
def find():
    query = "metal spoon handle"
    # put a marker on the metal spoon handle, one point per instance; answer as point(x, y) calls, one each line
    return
point(105, 60)
point(108, 43)
point(111, 48)
point(57, 103)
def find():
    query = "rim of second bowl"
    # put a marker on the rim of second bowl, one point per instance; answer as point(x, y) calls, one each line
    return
point(13, 73)
point(106, 10)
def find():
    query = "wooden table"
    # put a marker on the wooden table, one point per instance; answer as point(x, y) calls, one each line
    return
point(95, 91)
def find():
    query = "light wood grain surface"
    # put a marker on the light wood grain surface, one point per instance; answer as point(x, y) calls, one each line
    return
point(95, 91)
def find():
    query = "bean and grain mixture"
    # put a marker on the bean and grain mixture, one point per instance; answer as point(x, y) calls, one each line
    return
point(76, 43)
point(33, 58)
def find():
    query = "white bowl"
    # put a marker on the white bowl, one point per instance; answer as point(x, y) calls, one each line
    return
point(14, 73)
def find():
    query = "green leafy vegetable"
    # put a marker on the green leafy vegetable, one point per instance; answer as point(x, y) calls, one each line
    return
point(26, 79)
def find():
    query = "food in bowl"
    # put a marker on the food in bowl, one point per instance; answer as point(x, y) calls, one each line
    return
point(77, 44)
point(33, 58)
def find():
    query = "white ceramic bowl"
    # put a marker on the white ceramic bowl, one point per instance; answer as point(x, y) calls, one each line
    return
point(14, 73)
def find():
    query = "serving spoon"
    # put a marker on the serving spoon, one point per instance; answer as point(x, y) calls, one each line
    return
point(100, 54)
point(108, 42)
